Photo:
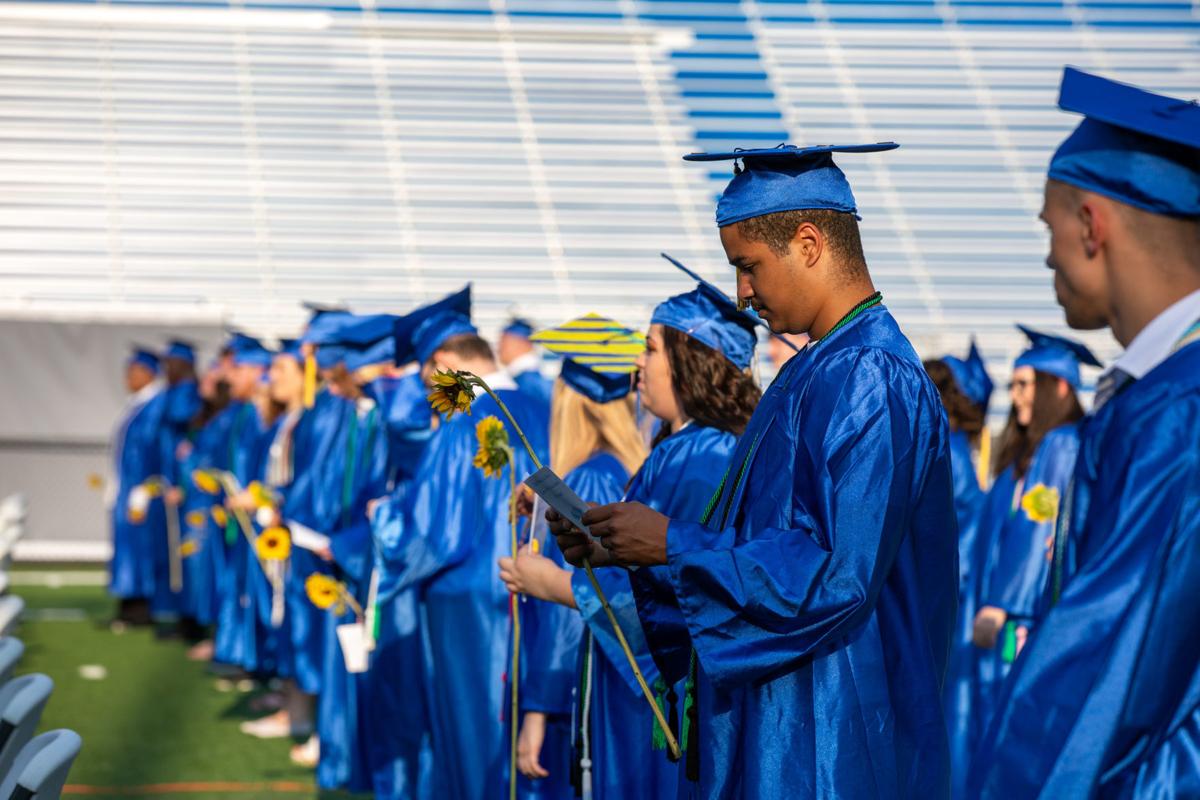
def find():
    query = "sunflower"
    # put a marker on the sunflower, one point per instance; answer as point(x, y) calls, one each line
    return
point(188, 547)
point(494, 451)
point(263, 496)
point(323, 591)
point(206, 481)
point(452, 392)
point(1040, 503)
point(195, 519)
point(274, 544)
point(220, 516)
point(153, 487)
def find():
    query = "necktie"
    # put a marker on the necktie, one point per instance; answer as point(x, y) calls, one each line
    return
point(1109, 385)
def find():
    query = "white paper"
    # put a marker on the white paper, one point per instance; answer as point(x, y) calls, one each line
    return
point(353, 639)
point(305, 537)
point(558, 496)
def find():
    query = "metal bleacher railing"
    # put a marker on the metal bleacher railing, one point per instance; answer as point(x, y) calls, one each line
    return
point(247, 155)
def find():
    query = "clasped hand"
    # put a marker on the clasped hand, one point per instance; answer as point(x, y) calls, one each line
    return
point(630, 534)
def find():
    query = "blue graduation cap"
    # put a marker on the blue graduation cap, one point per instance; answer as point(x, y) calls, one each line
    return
point(748, 312)
point(291, 348)
point(248, 351)
point(519, 327)
point(145, 357)
point(599, 387)
point(1134, 146)
point(375, 352)
point(184, 351)
point(786, 178)
point(972, 376)
point(711, 318)
point(1056, 355)
point(417, 341)
point(328, 327)
point(316, 310)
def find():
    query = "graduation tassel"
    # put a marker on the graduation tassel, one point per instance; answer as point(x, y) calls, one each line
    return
point(983, 470)
point(310, 379)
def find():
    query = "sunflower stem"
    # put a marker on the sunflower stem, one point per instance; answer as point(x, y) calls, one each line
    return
point(672, 743)
point(514, 678)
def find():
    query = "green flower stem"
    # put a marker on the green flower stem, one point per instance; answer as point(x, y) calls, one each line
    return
point(672, 744)
point(514, 678)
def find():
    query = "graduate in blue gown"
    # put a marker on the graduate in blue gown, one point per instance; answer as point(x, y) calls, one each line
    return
point(1035, 461)
point(135, 457)
point(522, 361)
point(443, 536)
point(819, 598)
point(180, 402)
point(965, 389)
point(693, 377)
point(239, 454)
point(1103, 700)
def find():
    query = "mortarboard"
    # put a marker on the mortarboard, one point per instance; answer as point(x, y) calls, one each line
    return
point(519, 327)
point(184, 351)
point(417, 341)
point(599, 387)
point(1137, 147)
point(248, 351)
point(144, 356)
point(711, 318)
point(597, 342)
point(786, 178)
point(972, 376)
point(1056, 355)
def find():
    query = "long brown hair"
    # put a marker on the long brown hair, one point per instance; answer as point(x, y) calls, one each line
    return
point(964, 415)
point(1019, 442)
point(579, 427)
point(710, 389)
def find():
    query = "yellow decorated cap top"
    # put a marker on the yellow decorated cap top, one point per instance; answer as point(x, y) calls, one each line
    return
point(597, 342)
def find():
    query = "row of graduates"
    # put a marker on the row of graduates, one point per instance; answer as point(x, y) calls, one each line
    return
point(785, 570)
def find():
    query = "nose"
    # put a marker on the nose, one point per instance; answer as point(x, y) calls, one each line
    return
point(745, 292)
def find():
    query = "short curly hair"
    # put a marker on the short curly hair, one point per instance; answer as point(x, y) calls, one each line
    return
point(839, 228)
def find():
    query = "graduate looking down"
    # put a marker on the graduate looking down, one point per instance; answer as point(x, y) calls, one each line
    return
point(819, 595)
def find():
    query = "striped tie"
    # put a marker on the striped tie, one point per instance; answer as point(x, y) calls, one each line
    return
point(1109, 385)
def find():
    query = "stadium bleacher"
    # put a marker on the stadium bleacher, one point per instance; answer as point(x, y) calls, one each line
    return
point(248, 155)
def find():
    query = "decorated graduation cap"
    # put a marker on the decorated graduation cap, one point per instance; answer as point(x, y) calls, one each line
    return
point(599, 355)
point(248, 351)
point(1134, 146)
point(1055, 355)
point(419, 333)
point(748, 313)
point(786, 178)
point(183, 350)
point(144, 357)
point(972, 376)
point(519, 327)
point(712, 319)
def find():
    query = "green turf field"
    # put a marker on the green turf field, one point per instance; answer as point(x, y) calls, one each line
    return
point(155, 718)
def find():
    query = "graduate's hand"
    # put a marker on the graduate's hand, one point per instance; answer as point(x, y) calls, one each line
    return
point(529, 745)
point(173, 496)
point(537, 576)
point(988, 623)
point(372, 505)
point(634, 534)
point(524, 501)
point(243, 500)
point(574, 543)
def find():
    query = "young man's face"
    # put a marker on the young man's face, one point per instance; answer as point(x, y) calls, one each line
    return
point(137, 377)
point(773, 284)
point(1080, 279)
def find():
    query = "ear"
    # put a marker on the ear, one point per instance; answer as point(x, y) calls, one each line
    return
point(808, 244)
point(1093, 218)
point(1063, 389)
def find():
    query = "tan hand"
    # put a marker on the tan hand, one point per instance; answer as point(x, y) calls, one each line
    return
point(529, 745)
point(988, 623)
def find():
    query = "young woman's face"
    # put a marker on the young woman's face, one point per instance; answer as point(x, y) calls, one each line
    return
point(287, 380)
point(654, 377)
point(1022, 391)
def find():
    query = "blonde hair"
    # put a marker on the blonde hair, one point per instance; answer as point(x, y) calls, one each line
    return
point(580, 427)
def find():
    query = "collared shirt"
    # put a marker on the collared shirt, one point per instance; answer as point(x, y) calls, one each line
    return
point(1158, 339)
point(499, 379)
point(529, 362)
